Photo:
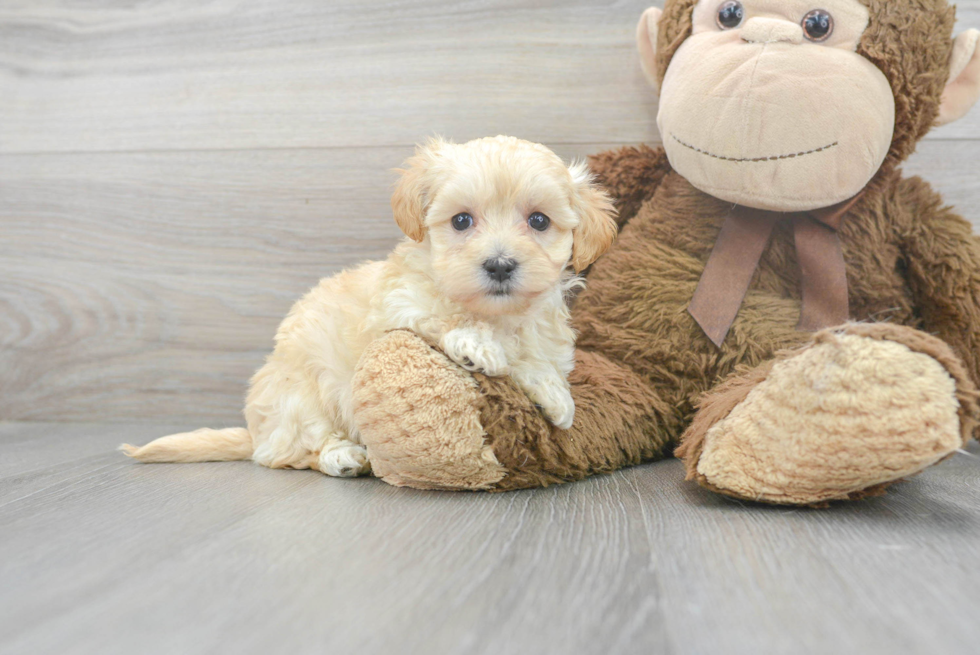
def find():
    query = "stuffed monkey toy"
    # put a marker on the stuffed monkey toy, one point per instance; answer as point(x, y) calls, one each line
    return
point(782, 309)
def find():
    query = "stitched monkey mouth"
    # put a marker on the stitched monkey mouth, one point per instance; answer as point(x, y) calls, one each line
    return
point(754, 159)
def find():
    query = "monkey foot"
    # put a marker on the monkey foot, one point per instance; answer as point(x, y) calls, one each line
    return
point(858, 408)
point(418, 415)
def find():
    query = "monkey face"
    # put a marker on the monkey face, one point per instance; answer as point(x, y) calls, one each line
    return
point(768, 104)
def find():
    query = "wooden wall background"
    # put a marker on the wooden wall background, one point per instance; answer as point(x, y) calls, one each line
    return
point(175, 173)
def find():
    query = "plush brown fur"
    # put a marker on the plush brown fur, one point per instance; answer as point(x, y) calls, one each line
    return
point(634, 313)
point(613, 426)
point(644, 366)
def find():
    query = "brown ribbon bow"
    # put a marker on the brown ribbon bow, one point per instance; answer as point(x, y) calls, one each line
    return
point(736, 255)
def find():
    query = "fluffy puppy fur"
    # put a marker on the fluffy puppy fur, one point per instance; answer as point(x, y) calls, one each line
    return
point(476, 275)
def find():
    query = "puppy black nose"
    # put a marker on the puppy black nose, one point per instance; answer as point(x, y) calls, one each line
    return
point(500, 268)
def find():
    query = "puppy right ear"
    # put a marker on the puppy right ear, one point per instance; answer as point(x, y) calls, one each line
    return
point(413, 190)
point(597, 226)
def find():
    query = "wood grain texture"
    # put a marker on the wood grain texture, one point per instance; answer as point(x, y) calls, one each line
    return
point(112, 76)
point(102, 555)
point(953, 169)
point(231, 74)
point(114, 266)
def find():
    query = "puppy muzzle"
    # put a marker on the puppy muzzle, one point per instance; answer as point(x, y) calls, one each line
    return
point(500, 269)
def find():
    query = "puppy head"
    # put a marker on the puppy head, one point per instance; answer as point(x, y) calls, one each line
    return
point(503, 219)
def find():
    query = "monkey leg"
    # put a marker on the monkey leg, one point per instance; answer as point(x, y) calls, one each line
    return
point(856, 409)
point(427, 423)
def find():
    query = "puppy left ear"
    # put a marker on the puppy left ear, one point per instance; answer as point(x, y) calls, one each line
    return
point(597, 227)
point(413, 190)
point(963, 89)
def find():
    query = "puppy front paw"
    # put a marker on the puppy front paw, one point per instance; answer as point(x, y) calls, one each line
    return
point(553, 396)
point(561, 412)
point(475, 350)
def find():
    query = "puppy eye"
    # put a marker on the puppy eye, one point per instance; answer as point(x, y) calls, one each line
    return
point(818, 25)
point(462, 222)
point(538, 221)
point(730, 15)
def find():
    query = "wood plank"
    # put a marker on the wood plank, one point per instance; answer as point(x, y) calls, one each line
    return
point(114, 76)
point(34, 450)
point(149, 285)
point(951, 167)
point(114, 556)
point(859, 578)
point(333, 567)
point(174, 75)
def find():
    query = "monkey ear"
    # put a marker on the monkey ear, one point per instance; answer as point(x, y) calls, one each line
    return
point(963, 89)
point(646, 41)
point(597, 226)
point(413, 190)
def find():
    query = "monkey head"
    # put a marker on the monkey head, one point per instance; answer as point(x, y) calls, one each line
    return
point(793, 105)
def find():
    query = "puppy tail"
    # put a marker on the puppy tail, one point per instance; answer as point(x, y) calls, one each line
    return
point(204, 445)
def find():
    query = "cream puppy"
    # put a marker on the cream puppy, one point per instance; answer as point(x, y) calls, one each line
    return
point(492, 226)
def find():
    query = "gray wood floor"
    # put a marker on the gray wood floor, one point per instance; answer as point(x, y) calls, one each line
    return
point(99, 554)
point(175, 173)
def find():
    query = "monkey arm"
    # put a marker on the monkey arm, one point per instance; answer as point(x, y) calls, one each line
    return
point(620, 419)
point(429, 424)
point(630, 175)
point(943, 263)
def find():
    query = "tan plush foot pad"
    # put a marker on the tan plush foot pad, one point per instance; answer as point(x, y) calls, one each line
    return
point(418, 415)
point(860, 407)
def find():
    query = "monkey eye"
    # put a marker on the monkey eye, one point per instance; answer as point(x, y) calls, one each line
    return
point(538, 221)
point(818, 25)
point(462, 222)
point(730, 15)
